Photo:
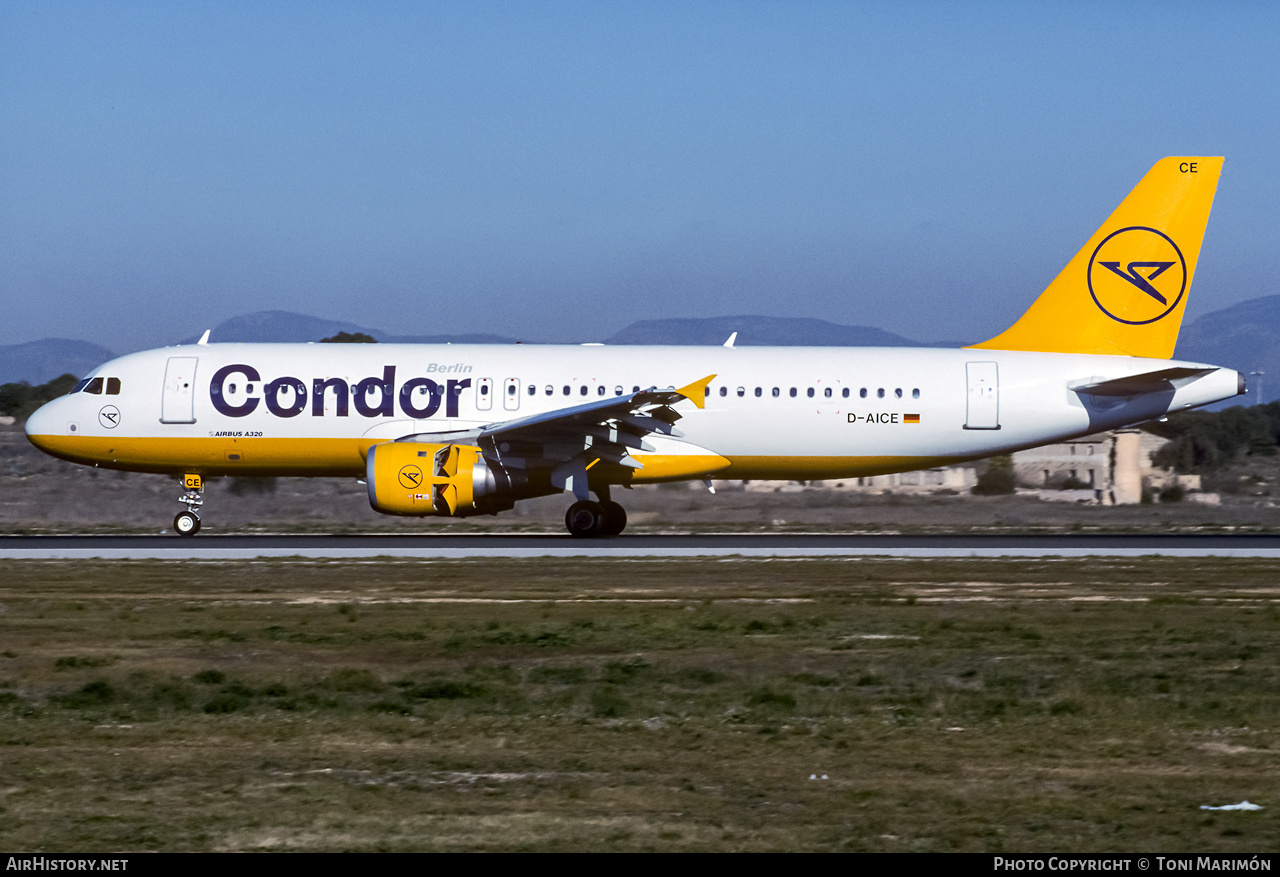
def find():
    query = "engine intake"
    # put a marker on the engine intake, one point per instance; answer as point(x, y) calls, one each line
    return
point(417, 479)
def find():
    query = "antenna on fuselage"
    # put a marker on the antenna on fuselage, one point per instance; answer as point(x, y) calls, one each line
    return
point(204, 339)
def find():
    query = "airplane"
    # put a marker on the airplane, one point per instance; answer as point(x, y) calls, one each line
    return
point(457, 430)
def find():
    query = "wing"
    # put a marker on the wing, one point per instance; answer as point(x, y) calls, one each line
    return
point(569, 441)
point(1162, 381)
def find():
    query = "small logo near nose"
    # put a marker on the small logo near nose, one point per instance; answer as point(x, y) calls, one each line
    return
point(109, 416)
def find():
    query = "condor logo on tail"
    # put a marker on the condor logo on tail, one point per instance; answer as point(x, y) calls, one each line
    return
point(1151, 282)
point(1138, 280)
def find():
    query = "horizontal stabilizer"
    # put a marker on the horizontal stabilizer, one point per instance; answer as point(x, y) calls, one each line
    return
point(1149, 382)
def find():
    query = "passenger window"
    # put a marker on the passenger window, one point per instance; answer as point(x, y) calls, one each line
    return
point(566, 389)
point(511, 389)
point(724, 391)
point(793, 392)
point(862, 393)
point(827, 392)
point(583, 390)
point(95, 387)
point(617, 391)
point(600, 391)
point(484, 389)
point(880, 393)
point(845, 392)
point(533, 391)
point(915, 394)
point(759, 392)
point(811, 392)
point(635, 389)
point(776, 392)
point(898, 392)
point(550, 389)
point(742, 391)
point(248, 388)
point(231, 388)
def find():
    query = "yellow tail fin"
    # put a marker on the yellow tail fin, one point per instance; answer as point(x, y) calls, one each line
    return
point(1126, 290)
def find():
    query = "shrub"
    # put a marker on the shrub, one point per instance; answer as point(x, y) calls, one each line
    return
point(998, 479)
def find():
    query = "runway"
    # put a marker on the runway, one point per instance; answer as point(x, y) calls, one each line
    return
point(232, 547)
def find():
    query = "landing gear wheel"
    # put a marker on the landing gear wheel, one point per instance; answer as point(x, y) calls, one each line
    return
point(186, 524)
point(614, 519)
point(584, 519)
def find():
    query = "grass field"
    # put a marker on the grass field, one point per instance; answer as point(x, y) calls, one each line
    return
point(850, 704)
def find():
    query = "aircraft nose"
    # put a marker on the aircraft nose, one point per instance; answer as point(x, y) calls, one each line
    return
point(41, 423)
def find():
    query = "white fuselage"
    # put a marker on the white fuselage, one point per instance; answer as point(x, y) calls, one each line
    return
point(771, 412)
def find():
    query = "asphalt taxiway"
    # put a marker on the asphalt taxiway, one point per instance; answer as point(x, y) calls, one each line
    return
point(239, 547)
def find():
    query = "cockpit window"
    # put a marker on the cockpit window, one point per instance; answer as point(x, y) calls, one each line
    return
point(94, 387)
point(84, 382)
point(113, 386)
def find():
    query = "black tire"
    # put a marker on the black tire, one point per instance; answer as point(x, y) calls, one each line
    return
point(186, 524)
point(584, 519)
point(615, 519)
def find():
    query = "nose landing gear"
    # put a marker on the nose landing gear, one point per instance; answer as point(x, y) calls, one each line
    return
point(188, 523)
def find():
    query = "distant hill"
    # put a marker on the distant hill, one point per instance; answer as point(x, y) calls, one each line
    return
point(445, 339)
point(288, 327)
point(758, 331)
point(1245, 337)
point(38, 362)
point(280, 326)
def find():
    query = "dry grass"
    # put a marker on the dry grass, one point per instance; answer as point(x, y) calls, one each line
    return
point(651, 705)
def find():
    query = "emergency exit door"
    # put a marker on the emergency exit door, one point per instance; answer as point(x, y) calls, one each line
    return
point(484, 394)
point(511, 394)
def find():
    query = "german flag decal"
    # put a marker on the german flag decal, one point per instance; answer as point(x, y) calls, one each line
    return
point(911, 418)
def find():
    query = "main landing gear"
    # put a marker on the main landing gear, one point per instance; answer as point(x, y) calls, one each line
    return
point(586, 519)
point(188, 523)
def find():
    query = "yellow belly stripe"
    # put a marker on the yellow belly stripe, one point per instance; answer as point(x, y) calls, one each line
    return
point(342, 457)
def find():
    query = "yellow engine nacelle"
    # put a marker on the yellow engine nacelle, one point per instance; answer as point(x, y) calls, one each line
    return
point(411, 478)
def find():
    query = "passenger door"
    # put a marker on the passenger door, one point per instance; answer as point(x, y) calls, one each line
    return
point(983, 408)
point(177, 404)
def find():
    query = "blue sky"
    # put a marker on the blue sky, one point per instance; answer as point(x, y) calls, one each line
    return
point(555, 171)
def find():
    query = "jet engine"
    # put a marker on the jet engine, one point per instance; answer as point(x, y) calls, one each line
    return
point(417, 479)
